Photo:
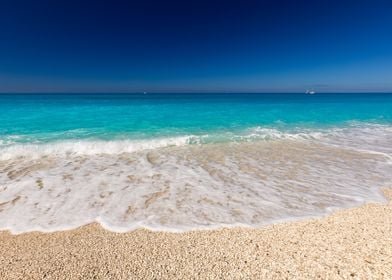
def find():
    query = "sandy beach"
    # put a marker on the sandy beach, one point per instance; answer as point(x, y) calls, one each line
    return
point(349, 244)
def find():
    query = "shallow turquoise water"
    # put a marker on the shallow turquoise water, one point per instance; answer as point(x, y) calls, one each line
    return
point(47, 117)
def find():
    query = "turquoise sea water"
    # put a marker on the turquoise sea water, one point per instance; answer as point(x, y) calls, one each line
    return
point(42, 118)
point(188, 161)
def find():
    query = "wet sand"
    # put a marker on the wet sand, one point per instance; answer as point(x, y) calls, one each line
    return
point(349, 244)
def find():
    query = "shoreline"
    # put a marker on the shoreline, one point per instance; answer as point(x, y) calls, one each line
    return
point(198, 187)
point(350, 243)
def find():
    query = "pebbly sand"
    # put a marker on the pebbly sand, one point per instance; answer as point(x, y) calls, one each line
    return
point(349, 244)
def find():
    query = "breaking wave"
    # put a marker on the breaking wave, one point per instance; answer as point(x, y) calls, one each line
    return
point(251, 177)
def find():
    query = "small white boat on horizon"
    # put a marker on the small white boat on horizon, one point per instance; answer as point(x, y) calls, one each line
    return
point(310, 91)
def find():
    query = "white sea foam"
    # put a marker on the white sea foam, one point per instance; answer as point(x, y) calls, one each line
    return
point(11, 149)
point(170, 184)
point(88, 147)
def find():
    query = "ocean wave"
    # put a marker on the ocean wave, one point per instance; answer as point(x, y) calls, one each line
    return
point(88, 147)
point(371, 137)
point(93, 147)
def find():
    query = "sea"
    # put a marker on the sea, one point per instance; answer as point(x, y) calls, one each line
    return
point(189, 161)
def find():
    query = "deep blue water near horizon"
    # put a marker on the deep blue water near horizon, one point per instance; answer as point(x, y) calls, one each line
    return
point(41, 118)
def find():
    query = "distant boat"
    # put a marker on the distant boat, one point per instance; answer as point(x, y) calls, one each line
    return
point(310, 91)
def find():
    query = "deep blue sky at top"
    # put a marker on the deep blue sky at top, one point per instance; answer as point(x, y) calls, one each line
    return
point(267, 46)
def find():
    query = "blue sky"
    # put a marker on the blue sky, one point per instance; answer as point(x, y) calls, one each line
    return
point(190, 46)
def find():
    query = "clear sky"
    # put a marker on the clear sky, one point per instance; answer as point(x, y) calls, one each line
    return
point(188, 46)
